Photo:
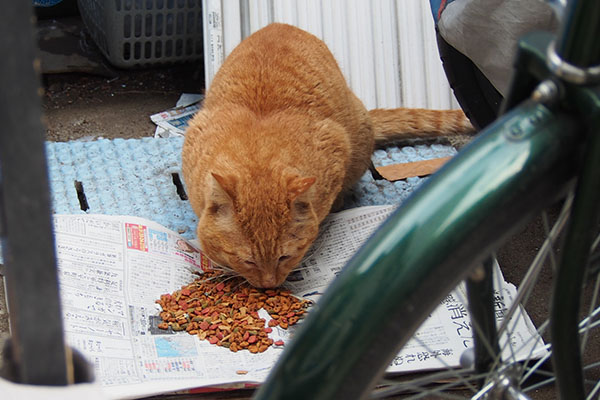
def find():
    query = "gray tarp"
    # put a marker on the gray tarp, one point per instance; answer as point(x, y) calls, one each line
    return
point(486, 31)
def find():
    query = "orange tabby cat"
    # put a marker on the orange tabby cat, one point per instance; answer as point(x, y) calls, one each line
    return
point(279, 137)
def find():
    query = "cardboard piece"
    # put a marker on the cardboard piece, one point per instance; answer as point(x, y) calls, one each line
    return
point(396, 172)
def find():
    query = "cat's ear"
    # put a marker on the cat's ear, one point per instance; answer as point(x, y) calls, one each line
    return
point(225, 184)
point(297, 185)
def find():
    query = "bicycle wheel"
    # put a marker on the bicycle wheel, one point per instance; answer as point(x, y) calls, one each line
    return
point(520, 165)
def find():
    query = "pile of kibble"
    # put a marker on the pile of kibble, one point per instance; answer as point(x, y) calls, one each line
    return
point(225, 312)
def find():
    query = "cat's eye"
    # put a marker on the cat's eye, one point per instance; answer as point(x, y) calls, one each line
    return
point(249, 263)
point(215, 208)
point(301, 207)
point(283, 258)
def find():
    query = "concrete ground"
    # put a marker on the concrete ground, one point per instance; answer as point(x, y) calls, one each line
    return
point(92, 99)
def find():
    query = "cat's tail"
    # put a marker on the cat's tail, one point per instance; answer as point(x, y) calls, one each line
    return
point(396, 124)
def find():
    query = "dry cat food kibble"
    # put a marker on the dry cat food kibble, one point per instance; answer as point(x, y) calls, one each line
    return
point(225, 312)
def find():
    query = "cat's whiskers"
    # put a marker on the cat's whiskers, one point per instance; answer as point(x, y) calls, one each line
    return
point(243, 282)
point(302, 268)
point(222, 268)
point(230, 277)
point(209, 279)
point(219, 267)
point(193, 270)
point(227, 278)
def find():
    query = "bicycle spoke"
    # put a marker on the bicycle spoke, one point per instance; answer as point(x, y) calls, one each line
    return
point(595, 244)
point(440, 392)
point(530, 277)
point(542, 360)
point(538, 363)
point(542, 372)
point(450, 369)
point(540, 384)
point(552, 380)
point(551, 254)
point(592, 306)
point(594, 391)
point(586, 320)
point(432, 384)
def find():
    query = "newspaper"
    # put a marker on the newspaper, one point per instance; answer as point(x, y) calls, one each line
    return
point(113, 268)
point(172, 122)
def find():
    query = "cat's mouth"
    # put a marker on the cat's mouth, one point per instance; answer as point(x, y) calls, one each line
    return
point(266, 280)
point(265, 283)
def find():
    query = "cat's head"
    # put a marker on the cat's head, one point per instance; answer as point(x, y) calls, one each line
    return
point(259, 225)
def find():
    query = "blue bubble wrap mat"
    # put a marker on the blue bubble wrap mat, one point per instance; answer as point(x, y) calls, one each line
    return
point(142, 177)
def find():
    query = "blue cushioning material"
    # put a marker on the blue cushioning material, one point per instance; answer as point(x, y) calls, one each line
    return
point(135, 177)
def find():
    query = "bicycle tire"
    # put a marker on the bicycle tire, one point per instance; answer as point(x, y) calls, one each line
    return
point(318, 364)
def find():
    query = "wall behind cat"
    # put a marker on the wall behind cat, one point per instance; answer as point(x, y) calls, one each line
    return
point(386, 48)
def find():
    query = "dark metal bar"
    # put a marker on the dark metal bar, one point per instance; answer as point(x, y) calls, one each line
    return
point(480, 292)
point(585, 216)
point(530, 68)
point(37, 343)
point(577, 40)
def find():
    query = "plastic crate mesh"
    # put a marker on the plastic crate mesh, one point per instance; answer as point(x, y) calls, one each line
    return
point(145, 32)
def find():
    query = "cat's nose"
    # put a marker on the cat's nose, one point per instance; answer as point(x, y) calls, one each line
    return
point(268, 281)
